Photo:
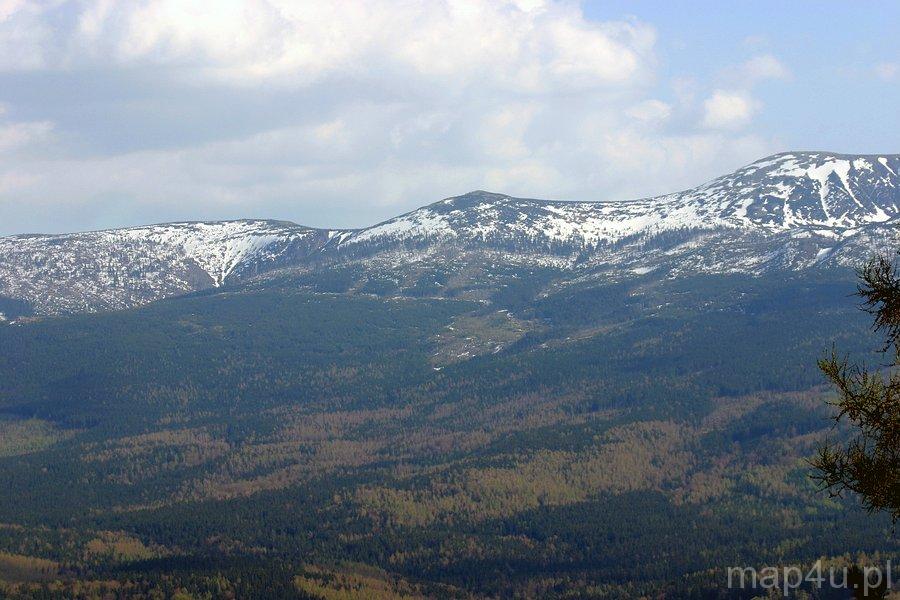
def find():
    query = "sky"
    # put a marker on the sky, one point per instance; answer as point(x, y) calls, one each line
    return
point(346, 113)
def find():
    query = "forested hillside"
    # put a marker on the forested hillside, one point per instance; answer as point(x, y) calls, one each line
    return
point(275, 441)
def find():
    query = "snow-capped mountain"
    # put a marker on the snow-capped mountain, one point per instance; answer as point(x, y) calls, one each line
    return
point(788, 211)
point(119, 268)
point(780, 193)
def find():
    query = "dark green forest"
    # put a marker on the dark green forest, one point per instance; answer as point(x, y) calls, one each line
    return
point(615, 440)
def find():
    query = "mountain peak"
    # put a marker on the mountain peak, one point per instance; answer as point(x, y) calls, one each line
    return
point(811, 189)
point(468, 200)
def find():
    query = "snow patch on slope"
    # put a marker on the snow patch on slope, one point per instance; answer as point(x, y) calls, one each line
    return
point(217, 248)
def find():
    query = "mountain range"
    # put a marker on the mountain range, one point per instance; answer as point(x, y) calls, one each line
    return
point(791, 211)
point(487, 397)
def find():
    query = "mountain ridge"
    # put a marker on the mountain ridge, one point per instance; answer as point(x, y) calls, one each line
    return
point(790, 210)
point(878, 158)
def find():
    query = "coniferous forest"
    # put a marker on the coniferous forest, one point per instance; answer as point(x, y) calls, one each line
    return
point(620, 440)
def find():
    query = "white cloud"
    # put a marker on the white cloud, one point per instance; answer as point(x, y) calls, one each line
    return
point(762, 67)
point(732, 106)
point(756, 41)
point(17, 135)
point(529, 46)
point(250, 177)
point(24, 35)
point(343, 113)
point(887, 71)
point(726, 109)
point(650, 111)
point(503, 131)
